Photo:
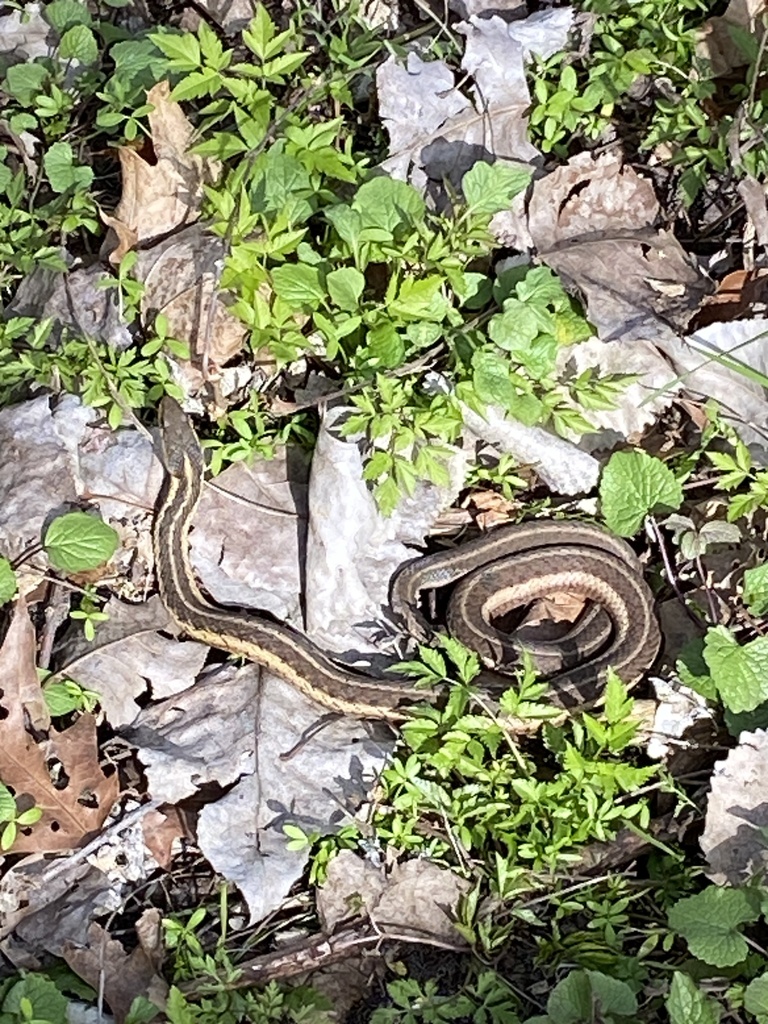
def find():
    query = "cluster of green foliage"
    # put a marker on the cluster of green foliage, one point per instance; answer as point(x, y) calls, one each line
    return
point(326, 261)
point(692, 121)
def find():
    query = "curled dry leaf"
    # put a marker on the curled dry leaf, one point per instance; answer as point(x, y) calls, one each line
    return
point(75, 806)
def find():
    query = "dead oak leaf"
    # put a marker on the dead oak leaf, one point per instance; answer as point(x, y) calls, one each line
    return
point(76, 805)
point(124, 975)
point(162, 195)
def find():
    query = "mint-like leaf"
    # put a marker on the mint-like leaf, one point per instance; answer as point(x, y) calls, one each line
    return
point(687, 1004)
point(78, 541)
point(633, 485)
point(740, 673)
point(711, 922)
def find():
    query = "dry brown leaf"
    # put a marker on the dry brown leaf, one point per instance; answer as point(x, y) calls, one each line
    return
point(160, 194)
point(716, 43)
point(161, 828)
point(737, 294)
point(180, 276)
point(417, 898)
point(125, 976)
point(592, 222)
point(66, 821)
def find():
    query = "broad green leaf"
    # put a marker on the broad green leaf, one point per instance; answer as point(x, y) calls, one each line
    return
point(79, 43)
point(687, 1004)
point(491, 378)
point(634, 485)
point(300, 285)
point(8, 584)
point(517, 325)
point(139, 61)
point(756, 998)
point(711, 923)
point(489, 188)
point(386, 203)
point(180, 47)
point(62, 172)
point(46, 1001)
point(756, 589)
point(740, 672)
point(25, 81)
point(345, 286)
point(590, 995)
point(78, 541)
point(62, 14)
point(347, 222)
point(541, 287)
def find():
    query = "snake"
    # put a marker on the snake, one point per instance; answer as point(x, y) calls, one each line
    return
point(490, 577)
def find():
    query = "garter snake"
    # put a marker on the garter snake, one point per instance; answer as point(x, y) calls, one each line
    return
point(509, 568)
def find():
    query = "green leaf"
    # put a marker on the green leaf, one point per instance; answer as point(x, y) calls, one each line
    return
point(8, 584)
point(47, 1002)
point(489, 188)
point(25, 81)
point(589, 996)
point(756, 589)
point(740, 672)
point(384, 204)
point(300, 285)
point(756, 997)
point(62, 14)
point(7, 804)
point(62, 172)
point(78, 541)
point(180, 47)
point(491, 378)
point(711, 922)
point(79, 43)
point(687, 1004)
point(345, 286)
point(634, 485)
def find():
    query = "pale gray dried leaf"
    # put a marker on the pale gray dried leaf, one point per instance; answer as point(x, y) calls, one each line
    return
point(74, 301)
point(248, 542)
point(205, 734)
point(26, 34)
point(416, 898)
point(318, 787)
point(735, 837)
point(129, 659)
point(753, 194)
point(697, 360)
point(352, 550)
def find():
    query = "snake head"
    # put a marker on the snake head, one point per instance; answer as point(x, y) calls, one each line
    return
point(178, 441)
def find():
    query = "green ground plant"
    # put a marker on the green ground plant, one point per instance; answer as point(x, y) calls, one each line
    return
point(643, 68)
